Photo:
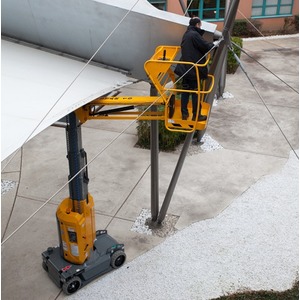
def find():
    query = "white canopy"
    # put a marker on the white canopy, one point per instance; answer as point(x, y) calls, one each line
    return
point(80, 27)
point(34, 80)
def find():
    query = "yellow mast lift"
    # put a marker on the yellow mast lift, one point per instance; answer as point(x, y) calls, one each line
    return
point(85, 253)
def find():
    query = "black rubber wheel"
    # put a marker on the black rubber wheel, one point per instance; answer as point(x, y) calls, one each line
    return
point(45, 267)
point(72, 286)
point(118, 259)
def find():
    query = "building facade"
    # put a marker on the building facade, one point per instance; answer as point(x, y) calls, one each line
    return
point(271, 15)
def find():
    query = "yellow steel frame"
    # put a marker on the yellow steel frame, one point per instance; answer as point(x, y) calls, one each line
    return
point(160, 71)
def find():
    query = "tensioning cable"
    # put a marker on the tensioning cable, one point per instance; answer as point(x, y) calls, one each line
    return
point(191, 2)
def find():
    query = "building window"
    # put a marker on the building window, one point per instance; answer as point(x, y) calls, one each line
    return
point(207, 9)
point(160, 4)
point(271, 8)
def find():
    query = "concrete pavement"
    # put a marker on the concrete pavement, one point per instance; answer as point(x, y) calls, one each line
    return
point(256, 141)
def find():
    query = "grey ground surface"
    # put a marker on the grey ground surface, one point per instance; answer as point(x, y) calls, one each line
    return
point(236, 204)
point(251, 245)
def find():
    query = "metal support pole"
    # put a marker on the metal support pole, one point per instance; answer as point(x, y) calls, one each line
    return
point(170, 191)
point(218, 59)
point(183, 7)
point(222, 81)
point(154, 148)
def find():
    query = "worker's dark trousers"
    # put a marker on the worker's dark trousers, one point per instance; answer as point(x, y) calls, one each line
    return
point(189, 85)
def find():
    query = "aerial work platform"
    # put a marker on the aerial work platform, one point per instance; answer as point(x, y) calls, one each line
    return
point(84, 253)
point(160, 70)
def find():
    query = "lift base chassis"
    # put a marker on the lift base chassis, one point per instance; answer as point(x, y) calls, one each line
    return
point(106, 256)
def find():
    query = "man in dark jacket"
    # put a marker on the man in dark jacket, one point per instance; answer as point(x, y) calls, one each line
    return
point(193, 48)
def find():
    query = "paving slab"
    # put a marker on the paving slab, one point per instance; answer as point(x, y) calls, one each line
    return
point(255, 142)
point(240, 126)
point(196, 196)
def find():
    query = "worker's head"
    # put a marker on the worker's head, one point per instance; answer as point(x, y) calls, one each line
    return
point(195, 22)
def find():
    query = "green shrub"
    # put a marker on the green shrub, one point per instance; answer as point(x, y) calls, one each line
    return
point(168, 140)
point(297, 23)
point(240, 28)
point(291, 294)
point(232, 64)
point(291, 25)
point(254, 28)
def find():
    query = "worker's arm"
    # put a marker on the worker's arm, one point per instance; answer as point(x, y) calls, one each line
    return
point(203, 45)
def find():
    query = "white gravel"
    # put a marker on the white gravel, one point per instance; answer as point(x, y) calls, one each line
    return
point(253, 244)
point(140, 225)
point(207, 144)
point(7, 185)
